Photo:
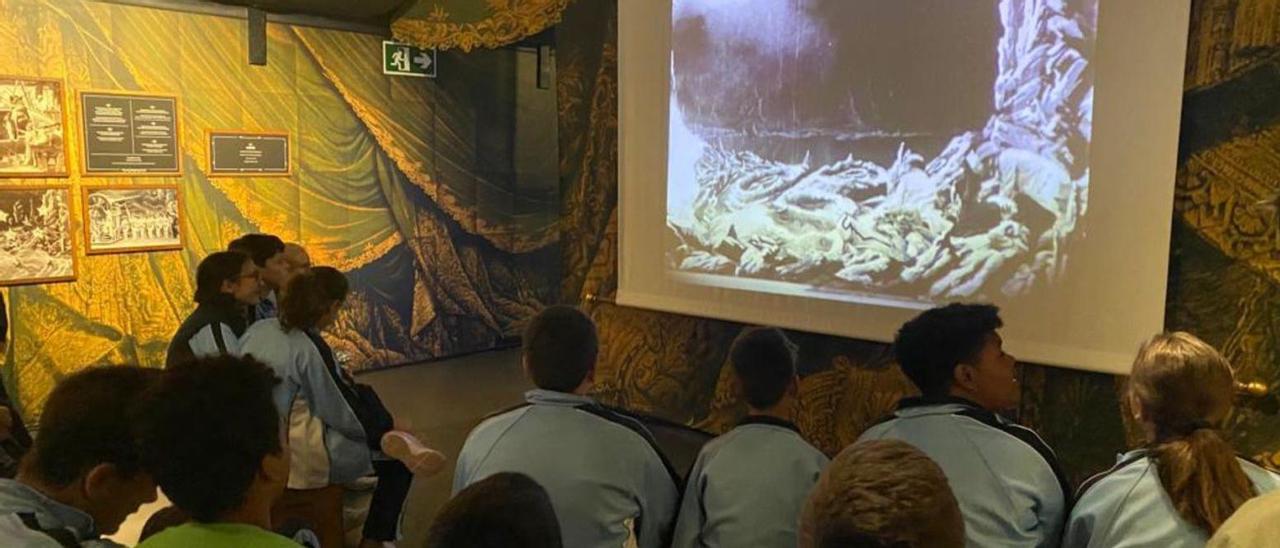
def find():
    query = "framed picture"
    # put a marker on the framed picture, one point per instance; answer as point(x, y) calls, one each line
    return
point(32, 127)
point(35, 235)
point(124, 219)
point(234, 153)
point(131, 134)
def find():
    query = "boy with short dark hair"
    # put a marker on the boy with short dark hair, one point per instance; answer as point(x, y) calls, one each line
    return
point(603, 471)
point(1007, 480)
point(748, 486)
point(83, 476)
point(268, 253)
point(210, 435)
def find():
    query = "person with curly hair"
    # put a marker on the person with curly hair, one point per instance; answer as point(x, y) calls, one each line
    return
point(1010, 488)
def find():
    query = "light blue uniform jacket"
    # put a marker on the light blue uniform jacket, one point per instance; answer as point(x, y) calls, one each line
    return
point(602, 471)
point(748, 486)
point(1128, 507)
point(47, 518)
point(1006, 479)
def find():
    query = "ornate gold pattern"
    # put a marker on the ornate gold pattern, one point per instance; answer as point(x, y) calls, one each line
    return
point(507, 22)
point(1229, 36)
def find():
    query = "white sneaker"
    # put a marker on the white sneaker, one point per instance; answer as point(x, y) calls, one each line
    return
point(406, 448)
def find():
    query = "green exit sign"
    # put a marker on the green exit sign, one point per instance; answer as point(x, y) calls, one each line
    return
point(406, 60)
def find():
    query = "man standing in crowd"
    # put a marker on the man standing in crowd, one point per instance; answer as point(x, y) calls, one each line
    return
point(83, 476)
point(267, 252)
point(604, 474)
point(1010, 488)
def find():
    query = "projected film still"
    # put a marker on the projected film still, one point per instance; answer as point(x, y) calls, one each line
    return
point(901, 152)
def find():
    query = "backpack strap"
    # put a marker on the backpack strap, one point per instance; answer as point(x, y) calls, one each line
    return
point(60, 535)
point(216, 329)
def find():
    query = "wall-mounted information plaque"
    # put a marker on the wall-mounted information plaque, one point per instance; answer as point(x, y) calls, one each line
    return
point(248, 154)
point(130, 134)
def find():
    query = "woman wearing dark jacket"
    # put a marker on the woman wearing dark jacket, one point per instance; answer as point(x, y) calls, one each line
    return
point(227, 284)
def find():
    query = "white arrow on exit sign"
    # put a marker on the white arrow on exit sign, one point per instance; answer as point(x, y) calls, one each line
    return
point(423, 61)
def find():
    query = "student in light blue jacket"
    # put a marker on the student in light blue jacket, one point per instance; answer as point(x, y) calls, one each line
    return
point(1006, 479)
point(332, 437)
point(605, 476)
point(748, 486)
point(84, 475)
point(1177, 490)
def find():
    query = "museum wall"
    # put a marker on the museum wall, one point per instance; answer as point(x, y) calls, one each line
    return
point(1224, 279)
point(428, 193)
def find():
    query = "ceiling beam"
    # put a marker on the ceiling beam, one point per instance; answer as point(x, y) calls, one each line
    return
point(238, 12)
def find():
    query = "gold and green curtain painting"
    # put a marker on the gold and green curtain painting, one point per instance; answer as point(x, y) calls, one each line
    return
point(470, 24)
point(447, 249)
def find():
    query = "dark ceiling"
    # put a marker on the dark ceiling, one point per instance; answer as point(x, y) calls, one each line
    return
point(377, 12)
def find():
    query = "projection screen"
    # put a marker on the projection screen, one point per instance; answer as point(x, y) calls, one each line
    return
point(837, 166)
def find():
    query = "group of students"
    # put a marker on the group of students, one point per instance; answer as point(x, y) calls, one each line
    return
point(200, 431)
point(263, 298)
point(946, 469)
point(254, 405)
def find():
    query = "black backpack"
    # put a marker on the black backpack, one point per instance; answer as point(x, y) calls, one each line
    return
point(363, 400)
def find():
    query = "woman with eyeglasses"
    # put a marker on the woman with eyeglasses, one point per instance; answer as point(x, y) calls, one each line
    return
point(227, 285)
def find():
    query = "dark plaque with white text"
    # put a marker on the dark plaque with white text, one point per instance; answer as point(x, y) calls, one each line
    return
point(130, 134)
point(248, 154)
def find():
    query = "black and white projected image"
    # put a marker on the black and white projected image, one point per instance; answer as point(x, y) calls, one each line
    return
point(908, 151)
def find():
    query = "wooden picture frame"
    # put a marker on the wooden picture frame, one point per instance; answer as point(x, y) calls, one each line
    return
point(215, 171)
point(119, 219)
point(87, 153)
point(31, 249)
point(28, 130)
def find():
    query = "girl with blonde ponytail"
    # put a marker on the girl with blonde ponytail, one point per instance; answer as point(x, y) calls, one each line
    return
point(1178, 489)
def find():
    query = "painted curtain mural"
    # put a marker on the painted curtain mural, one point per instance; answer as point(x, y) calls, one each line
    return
point(467, 24)
point(1224, 273)
point(405, 184)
